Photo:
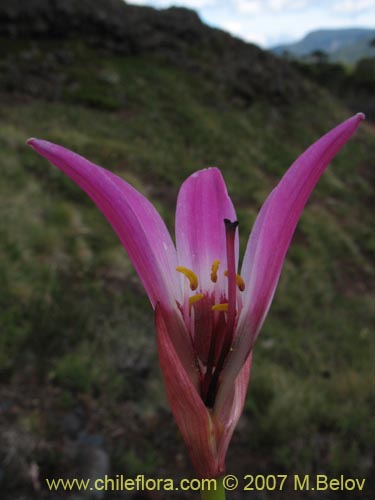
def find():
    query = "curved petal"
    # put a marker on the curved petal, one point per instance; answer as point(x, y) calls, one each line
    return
point(173, 323)
point(202, 205)
point(198, 428)
point(230, 410)
point(134, 219)
point(271, 237)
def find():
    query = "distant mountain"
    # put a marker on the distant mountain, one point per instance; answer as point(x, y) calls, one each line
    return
point(342, 45)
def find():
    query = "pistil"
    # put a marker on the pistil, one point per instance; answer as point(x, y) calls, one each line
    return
point(230, 229)
point(239, 281)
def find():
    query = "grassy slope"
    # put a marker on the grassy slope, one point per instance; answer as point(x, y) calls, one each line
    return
point(74, 317)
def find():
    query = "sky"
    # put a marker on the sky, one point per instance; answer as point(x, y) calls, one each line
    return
point(272, 22)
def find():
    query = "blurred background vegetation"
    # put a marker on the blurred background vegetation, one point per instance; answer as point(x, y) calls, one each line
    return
point(153, 96)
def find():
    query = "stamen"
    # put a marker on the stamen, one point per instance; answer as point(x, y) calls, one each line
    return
point(195, 298)
point(192, 277)
point(214, 269)
point(220, 307)
point(239, 281)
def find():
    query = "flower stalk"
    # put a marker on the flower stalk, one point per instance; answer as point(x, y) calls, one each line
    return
point(217, 494)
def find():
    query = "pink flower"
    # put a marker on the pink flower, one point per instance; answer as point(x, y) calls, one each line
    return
point(207, 316)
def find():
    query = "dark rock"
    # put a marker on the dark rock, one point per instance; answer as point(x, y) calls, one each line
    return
point(72, 424)
point(175, 35)
point(96, 465)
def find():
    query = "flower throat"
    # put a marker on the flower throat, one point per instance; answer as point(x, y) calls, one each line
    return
point(211, 316)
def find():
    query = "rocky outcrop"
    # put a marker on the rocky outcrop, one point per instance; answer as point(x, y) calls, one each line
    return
point(175, 35)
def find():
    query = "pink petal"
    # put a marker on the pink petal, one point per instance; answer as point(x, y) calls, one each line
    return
point(271, 237)
point(199, 430)
point(173, 323)
point(230, 410)
point(203, 204)
point(135, 220)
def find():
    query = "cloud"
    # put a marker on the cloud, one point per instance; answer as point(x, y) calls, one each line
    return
point(138, 2)
point(280, 5)
point(256, 38)
point(197, 4)
point(248, 6)
point(239, 29)
point(254, 6)
point(193, 4)
point(353, 6)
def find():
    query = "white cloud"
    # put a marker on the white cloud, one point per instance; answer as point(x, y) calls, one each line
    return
point(138, 2)
point(233, 27)
point(353, 6)
point(197, 4)
point(257, 38)
point(254, 6)
point(280, 5)
point(248, 6)
point(193, 4)
point(240, 30)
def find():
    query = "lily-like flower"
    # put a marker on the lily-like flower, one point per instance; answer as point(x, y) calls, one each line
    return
point(207, 315)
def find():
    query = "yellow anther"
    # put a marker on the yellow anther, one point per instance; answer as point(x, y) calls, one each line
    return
point(192, 277)
point(214, 268)
point(239, 281)
point(195, 298)
point(220, 307)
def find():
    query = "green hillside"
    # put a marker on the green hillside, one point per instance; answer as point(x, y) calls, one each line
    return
point(79, 376)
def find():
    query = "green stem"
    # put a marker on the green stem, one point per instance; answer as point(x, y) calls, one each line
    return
point(218, 494)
